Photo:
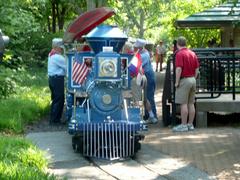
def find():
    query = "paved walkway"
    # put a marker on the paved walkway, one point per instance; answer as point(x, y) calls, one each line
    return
point(207, 153)
point(213, 150)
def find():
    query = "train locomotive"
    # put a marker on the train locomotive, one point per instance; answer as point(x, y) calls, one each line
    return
point(103, 119)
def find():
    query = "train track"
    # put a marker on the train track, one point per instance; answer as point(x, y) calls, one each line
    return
point(147, 164)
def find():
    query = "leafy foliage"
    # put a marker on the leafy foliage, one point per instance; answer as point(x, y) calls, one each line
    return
point(155, 20)
point(29, 40)
point(18, 24)
point(30, 101)
point(31, 24)
point(181, 9)
point(7, 83)
point(21, 160)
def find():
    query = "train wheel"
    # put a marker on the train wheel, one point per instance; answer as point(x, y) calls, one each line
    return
point(137, 146)
point(77, 144)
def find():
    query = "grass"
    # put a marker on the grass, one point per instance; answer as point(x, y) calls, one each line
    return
point(30, 102)
point(19, 159)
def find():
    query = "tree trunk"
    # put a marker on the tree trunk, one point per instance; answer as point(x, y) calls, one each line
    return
point(141, 30)
point(53, 16)
point(61, 18)
point(60, 15)
point(91, 4)
point(48, 24)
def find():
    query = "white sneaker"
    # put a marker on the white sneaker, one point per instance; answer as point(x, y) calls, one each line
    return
point(180, 128)
point(190, 127)
point(152, 120)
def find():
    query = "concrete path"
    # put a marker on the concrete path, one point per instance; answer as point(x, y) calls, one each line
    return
point(211, 153)
point(148, 164)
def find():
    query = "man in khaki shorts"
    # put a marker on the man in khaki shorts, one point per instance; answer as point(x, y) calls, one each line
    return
point(187, 67)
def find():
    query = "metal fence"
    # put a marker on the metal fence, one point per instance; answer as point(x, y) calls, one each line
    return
point(219, 74)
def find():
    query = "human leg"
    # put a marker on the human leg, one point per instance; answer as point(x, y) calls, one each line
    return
point(157, 61)
point(57, 89)
point(51, 87)
point(182, 99)
point(151, 85)
point(184, 113)
point(161, 62)
point(191, 107)
point(183, 127)
point(191, 111)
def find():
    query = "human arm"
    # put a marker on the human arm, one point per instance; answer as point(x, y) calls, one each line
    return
point(178, 75)
point(197, 67)
point(145, 56)
point(179, 67)
point(196, 73)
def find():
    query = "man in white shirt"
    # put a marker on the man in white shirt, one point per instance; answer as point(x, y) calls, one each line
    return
point(56, 73)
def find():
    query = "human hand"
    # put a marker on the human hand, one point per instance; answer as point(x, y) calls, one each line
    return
point(176, 84)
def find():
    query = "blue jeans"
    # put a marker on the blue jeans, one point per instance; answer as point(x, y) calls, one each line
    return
point(56, 85)
point(151, 86)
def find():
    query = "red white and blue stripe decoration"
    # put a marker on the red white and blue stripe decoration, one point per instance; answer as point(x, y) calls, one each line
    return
point(79, 72)
point(135, 64)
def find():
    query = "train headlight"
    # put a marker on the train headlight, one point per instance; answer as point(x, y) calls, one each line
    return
point(107, 67)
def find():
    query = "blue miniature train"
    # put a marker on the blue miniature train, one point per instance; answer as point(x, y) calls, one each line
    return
point(104, 121)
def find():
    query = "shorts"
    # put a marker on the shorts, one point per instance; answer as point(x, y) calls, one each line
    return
point(185, 92)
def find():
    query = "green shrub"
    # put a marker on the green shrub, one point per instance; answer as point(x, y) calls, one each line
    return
point(21, 160)
point(7, 82)
point(30, 102)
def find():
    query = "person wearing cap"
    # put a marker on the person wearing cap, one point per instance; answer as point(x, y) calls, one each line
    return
point(56, 73)
point(187, 65)
point(160, 54)
point(150, 112)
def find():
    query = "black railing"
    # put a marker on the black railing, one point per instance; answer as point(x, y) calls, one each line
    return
point(219, 74)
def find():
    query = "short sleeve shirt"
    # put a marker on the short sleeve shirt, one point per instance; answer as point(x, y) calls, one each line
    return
point(188, 61)
point(146, 61)
point(161, 49)
point(56, 65)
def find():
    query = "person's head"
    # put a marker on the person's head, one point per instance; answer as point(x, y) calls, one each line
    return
point(128, 48)
point(57, 44)
point(161, 42)
point(139, 44)
point(181, 42)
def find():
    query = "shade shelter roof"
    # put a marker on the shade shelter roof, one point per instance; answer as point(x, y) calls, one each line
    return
point(227, 14)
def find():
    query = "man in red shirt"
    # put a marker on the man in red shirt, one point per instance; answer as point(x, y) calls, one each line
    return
point(187, 67)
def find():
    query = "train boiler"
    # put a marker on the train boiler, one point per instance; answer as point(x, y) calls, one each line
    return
point(103, 119)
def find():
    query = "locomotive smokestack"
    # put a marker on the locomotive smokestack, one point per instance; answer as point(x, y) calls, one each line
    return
point(106, 35)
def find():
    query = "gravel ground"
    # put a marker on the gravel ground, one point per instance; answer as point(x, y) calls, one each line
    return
point(44, 126)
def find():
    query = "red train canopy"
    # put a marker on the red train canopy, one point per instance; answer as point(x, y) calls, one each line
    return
point(84, 23)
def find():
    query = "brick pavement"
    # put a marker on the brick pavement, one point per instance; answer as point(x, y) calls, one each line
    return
point(213, 150)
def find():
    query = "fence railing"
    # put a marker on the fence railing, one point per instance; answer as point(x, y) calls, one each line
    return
point(219, 74)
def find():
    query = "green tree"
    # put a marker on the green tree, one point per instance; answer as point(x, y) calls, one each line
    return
point(137, 17)
point(181, 9)
point(155, 19)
